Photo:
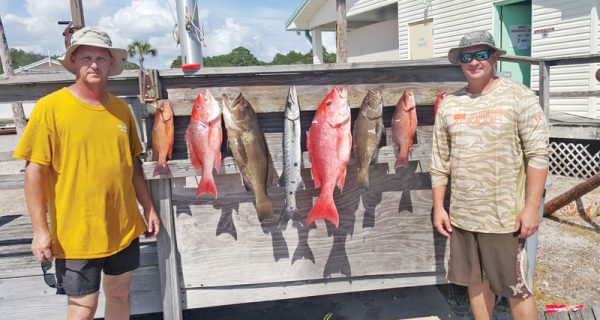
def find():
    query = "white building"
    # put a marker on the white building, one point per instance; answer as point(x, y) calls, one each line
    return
point(417, 29)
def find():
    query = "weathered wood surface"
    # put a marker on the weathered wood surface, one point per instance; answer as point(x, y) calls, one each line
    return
point(273, 98)
point(24, 294)
point(33, 87)
point(209, 297)
point(587, 313)
point(167, 250)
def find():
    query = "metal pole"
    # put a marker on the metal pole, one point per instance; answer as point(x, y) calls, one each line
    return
point(189, 34)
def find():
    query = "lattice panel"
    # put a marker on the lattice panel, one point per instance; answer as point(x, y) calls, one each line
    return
point(573, 160)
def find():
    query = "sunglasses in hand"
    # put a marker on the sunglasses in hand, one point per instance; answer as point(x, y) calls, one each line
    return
point(49, 278)
point(479, 56)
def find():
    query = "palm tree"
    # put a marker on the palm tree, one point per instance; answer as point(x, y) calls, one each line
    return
point(140, 49)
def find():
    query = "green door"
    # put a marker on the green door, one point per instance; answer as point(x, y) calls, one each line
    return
point(515, 38)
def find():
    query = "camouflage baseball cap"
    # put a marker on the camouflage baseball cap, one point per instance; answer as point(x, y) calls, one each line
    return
point(472, 39)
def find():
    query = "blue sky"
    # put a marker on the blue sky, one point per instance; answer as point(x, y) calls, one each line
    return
point(31, 25)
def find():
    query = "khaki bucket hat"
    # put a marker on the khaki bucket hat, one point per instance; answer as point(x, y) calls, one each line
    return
point(93, 37)
point(472, 39)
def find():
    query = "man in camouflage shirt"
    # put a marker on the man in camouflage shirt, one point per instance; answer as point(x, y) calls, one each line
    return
point(491, 139)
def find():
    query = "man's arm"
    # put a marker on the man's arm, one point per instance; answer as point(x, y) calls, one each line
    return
point(528, 220)
point(36, 178)
point(441, 220)
point(143, 197)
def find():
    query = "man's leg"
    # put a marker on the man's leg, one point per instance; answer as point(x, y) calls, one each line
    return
point(523, 309)
point(482, 301)
point(82, 307)
point(116, 290)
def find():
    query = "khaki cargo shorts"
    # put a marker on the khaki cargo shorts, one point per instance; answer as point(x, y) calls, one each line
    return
point(498, 258)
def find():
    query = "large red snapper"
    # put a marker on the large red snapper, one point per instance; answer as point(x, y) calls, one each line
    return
point(329, 144)
point(163, 135)
point(204, 136)
point(404, 127)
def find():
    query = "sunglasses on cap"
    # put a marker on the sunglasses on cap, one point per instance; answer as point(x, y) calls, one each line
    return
point(49, 278)
point(479, 56)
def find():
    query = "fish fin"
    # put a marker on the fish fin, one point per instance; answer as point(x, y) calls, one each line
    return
point(362, 179)
point(239, 153)
point(316, 177)
point(342, 178)
point(272, 174)
point(285, 216)
point(207, 185)
point(161, 169)
point(217, 163)
point(154, 154)
point(246, 184)
point(264, 210)
point(324, 209)
point(301, 184)
point(401, 162)
point(192, 154)
point(281, 181)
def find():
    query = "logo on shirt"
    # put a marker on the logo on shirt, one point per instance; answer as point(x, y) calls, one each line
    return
point(122, 127)
point(478, 119)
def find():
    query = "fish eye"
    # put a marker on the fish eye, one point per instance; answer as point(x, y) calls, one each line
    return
point(329, 103)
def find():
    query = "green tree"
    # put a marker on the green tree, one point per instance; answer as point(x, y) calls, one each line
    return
point(176, 63)
point(141, 49)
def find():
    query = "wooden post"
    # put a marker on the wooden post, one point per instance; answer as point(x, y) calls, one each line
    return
point(545, 88)
point(167, 250)
point(17, 107)
point(340, 32)
point(77, 15)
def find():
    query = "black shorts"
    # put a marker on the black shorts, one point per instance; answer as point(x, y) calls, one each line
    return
point(79, 277)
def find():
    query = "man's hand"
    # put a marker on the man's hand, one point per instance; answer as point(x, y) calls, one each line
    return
point(441, 222)
point(153, 223)
point(527, 222)
point(41, 246)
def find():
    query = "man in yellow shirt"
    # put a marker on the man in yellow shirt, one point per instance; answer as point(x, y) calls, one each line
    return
point(82, 148)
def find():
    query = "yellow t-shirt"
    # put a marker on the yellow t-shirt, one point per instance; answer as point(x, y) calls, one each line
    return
point(89, 149)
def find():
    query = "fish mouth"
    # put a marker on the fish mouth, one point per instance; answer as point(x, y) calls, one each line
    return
point(342, 93)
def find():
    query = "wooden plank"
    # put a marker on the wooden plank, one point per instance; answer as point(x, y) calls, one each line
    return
point(596, 310)
point(203, 298)
point(12, 181)
point(30, 298)
point(33, 87)
point(557, 316)
point(167, 251)
point(544, 85)
point(390, 228)
point(587, 313)
point(273, 98)
point(583, 59)
point(6, 156)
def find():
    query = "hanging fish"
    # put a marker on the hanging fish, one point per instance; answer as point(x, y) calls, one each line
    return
point(367, 133)
point(249, 148)
point(162, 138)
point(329, 144)
point(404, 127)
point(204, 136)
point(438, 102)
point(291, 179)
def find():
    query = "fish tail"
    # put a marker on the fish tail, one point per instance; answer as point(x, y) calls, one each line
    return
point(363, 178)
point(401, 162)
point(207, 185)
point(324, 209)
point(402, 157)
point(161, 169)
point(285, 216)
point(264, 209)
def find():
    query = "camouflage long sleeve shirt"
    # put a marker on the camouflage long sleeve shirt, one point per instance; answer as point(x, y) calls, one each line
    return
point(484, 143)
